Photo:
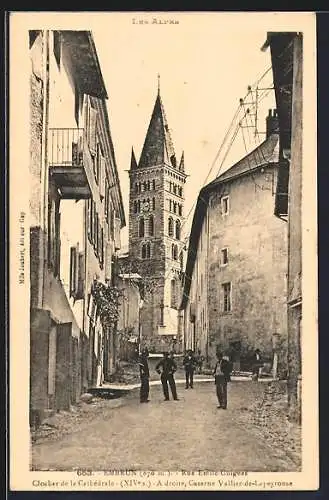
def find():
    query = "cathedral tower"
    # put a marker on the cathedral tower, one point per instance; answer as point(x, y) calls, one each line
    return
point(156, 216)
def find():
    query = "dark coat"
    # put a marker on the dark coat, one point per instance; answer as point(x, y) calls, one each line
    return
point(189, 362)
point(143, 367)
point(167, 366)
point(226, 369)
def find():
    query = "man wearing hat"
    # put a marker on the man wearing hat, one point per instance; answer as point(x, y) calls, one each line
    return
point(222, 375)
point(189, 363)
point(167, 367)
point(144, 375)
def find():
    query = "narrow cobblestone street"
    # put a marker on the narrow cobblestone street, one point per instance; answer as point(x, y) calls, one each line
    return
point(188, 434)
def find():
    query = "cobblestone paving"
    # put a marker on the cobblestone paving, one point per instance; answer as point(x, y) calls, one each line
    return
point(189, 434)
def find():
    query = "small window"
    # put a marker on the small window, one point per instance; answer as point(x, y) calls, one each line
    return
point(141, 227)
point(225, 205)
point(224, 256)
point(153, 203)
point(227, 306)
point(178, 230)
point(153, 184)
point(170, 227)
point(151, 226)
point(175, 189)
point(180, 210)
point(174, 252)
point(175, 207)
point(135, 207)
point(146, 251)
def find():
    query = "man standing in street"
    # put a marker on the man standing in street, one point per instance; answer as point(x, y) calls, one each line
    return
point(167, 367)
point(189, 363)
point(222, 374)
point(144, 375)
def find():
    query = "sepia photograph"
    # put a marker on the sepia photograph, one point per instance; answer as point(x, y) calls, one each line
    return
point(163, 324)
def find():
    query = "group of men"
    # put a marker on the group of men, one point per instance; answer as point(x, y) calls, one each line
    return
point(167, 367)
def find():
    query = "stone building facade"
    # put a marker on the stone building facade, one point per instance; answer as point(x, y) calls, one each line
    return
point(287, 63)
point(76, 217)
point(235, 279)
point(156, 217)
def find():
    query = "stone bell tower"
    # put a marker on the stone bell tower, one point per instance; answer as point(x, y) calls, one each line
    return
point(156, 216)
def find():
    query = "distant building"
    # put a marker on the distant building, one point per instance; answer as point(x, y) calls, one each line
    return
point(76, 217)
point(287, 63)
point(156, 217)
point(235, 279)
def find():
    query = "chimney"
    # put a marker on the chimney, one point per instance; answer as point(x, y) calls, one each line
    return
point(272, 122)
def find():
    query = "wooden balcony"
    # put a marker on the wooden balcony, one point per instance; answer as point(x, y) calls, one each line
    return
point(67, 163)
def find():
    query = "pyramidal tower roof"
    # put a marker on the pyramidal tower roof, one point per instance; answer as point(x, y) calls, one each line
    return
point(158, 146)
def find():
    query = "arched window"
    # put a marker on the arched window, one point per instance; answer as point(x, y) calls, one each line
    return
point(180, 211)
point(180, 191)
point(135, 207)
point(151, 225)
point(153, 203)
point(174, 251)
point(153, 183)
point(173, 294)
point(175, 207)
point(138, 206)
point(170, 186)
point(170, 205)
point(175, 189)
point(170, 227)
point(177, 230)
point(146, 251)
point(141, 227)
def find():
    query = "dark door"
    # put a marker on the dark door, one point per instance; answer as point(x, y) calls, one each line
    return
point(75, 371)
point(63, 384)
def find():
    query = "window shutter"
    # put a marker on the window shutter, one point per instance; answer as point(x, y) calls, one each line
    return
point(81, 276)
point(102, 178)
point(102, 248)
point(92, 129)
point(108, 260)
point(95, 226)
point(107, 199)
point(89, 202)
point(73, 267)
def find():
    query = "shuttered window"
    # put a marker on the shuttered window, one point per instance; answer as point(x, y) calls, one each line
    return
point(92, 129)
point(73, 271)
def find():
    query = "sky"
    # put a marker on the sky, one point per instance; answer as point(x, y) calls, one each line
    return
point(205, 66)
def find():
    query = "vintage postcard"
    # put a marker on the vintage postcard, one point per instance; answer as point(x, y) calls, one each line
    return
point(163, 260)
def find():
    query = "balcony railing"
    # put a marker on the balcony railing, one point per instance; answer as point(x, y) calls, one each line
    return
point(66, 146)
point(69, 168)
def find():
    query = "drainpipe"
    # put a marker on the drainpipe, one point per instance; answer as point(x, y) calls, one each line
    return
point(44, 168)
